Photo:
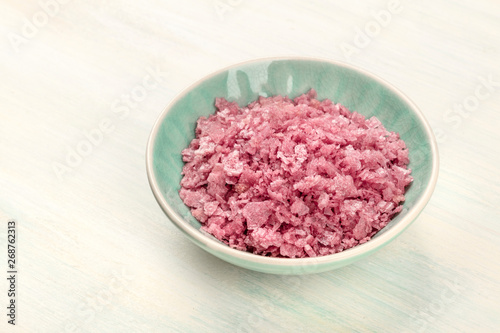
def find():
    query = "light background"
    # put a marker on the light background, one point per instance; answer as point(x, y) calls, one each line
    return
point(95, 252)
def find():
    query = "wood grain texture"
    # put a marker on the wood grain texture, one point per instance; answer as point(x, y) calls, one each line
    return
point(96, 254)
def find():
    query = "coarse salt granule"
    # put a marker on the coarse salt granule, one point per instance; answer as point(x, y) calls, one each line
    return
point(293, 178)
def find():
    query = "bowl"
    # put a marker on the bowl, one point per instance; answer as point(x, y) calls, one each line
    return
point(355, 88)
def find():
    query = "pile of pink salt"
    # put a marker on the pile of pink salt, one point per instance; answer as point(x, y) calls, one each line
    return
point(293, 178)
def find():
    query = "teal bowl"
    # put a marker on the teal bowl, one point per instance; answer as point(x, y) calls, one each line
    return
point(355, 88)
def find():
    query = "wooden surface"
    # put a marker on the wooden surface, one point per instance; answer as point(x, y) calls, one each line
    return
point(80, 90)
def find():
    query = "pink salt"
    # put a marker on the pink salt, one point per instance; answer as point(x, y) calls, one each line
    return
point(293, 178)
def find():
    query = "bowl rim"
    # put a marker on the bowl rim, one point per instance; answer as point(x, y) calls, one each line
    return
point(352, 253)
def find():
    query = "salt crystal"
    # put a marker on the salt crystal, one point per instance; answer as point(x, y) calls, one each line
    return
point(293, 178)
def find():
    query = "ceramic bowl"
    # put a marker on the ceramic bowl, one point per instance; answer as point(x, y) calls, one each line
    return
point(355, 88)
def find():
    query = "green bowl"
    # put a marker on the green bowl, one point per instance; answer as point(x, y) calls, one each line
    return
point(357, 89)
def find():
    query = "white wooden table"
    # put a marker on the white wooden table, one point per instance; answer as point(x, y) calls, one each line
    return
point(82, 83)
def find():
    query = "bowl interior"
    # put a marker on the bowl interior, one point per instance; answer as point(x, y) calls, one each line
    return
point(357, 90)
